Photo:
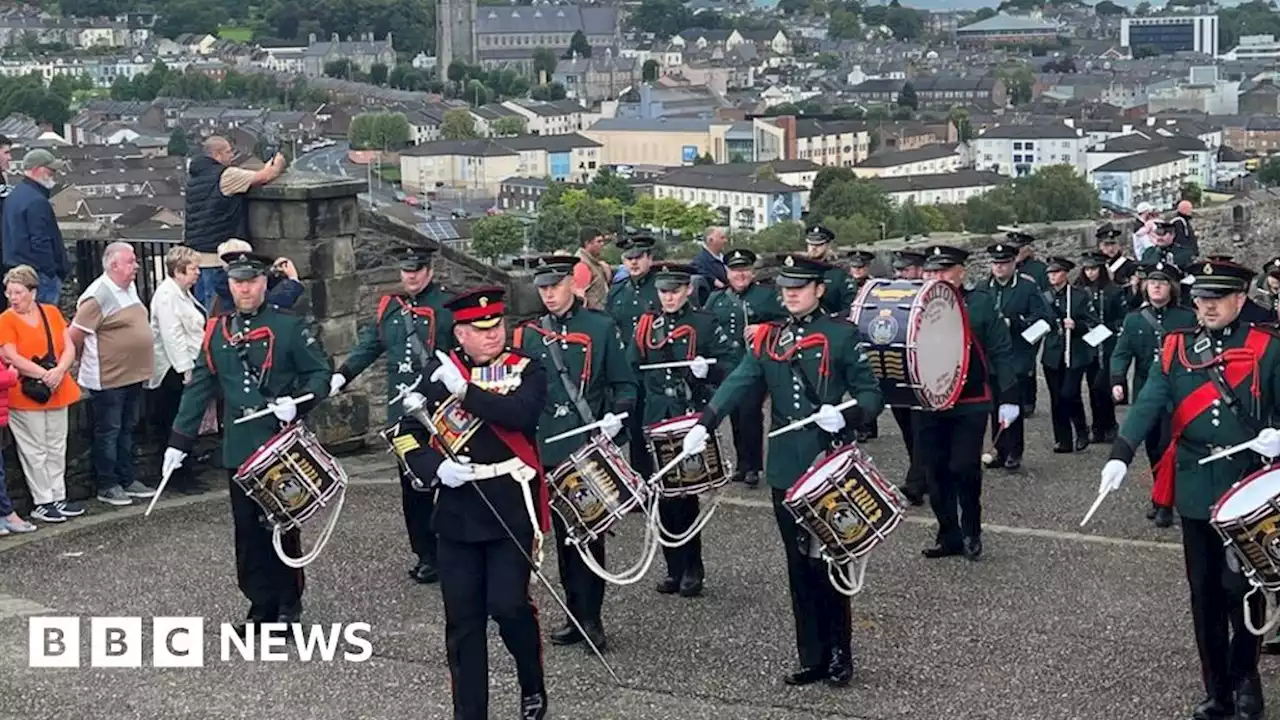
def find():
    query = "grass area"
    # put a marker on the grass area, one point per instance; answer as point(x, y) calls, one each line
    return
point(390, 173)
point(236, 34)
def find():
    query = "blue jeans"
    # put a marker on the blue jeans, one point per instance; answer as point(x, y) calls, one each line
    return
point(115, 415)
point(206, 287)
point(6, 505)
point(49, 290)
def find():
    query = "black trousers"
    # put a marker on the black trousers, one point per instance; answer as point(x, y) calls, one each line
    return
point(1102, 407)
point(418, 507)
point(267, 582)
point(953, 469)
point(915, 482)
point(822, 615)
point(167, 398)
point(748, 430)
point(479, 581)
point(1228, 651)
point(678, 515)
point(1065, 404)
point(583, 589)
point(1027, 390)
point(1011, 442)
point(641, 461)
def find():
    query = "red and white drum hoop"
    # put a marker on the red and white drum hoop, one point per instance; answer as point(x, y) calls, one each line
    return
point(938, 339)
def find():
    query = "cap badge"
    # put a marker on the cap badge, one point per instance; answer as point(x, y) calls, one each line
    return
point(1208, 269)
point(999, 248)
point(484, 301)
point(937, 251)
point(790, 261)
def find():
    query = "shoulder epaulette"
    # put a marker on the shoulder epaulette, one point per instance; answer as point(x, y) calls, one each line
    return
point(1026, 277)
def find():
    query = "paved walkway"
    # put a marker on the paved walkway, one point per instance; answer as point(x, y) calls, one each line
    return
point(1054, 623)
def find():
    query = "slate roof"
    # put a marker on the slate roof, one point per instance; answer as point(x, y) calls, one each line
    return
point(935, 151)
point(1141, 161)
point(522, 19)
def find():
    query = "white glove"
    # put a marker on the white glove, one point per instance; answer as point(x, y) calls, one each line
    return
point(173, 458)
point(1008, 413)
point(449, 375)
point(695, 443)
point(335, 384)
point(1117, 393)
point(830, 419)
point(1112, 473)
point(456, 474)
point(285, 409)
point(1267, 444)
point(699, 367)
point(612, 425)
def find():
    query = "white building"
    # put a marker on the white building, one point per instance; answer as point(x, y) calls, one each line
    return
point(942, 189)
point(744, 203)
point(1019, 150)
point(560, 117)
point(1154, 177)
point(1254, 47)
point(926, 160)
point(1171, 33)
point(1203, 158)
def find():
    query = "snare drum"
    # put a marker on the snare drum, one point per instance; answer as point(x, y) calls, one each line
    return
point(1248, 519)
point(594, 488)
point(694, 475)
point(916, 336)
point(291, 477)
point(845, 503)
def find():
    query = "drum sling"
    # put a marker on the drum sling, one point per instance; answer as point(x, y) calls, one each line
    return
point(557, 359)
point(1239, 364)
point(666, 353)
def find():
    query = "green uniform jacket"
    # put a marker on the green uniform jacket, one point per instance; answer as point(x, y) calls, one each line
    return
point(629, 299)
point(389, 334)
point(595, 361)
point(1109, 304)
point(825, 351)
point(1037, 270)
point(1055, 343)
point(1179, 255)
point(280, 347)
point(991, 361)
point(1140, 340)
point(840, 292)
point(1019, 304)
point(735, 311)
point(1197, 487)
point(671, 337)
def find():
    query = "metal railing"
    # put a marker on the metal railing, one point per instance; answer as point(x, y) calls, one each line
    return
point(151, 269)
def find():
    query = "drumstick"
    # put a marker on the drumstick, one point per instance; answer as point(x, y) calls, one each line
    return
point(1096, 504)
point(583, 429)
point(271, 407)
point(989, 456)
point(812, 418)
point(1226, 453)
point(164, 480)
point(676, 364)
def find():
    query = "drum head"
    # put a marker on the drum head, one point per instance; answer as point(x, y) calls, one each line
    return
point(674, 426)
point(818, 478)
point(938, 345)
point(1247, 496)
point(265, 455)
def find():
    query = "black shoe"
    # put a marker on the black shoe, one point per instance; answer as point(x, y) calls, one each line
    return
point(808, 675)
point(940, 551)
point(668, 586)
point(691, 584)
point(840, 669)
point(1213, 709)
point(424, 572)
point(1012, 463)
point(566, 635)
point(1271, 647)
point(737, 477)
point(257, 616)
point(752, 479)
point(596, 634)
point(915, 498)
point(533, 707)
point(1151, 511)
point(973, 548)
point(861, 435)
point(996, 461)
point(1082, 442)
point(1062, 448)
point(1164, 517)
point(1249, 703)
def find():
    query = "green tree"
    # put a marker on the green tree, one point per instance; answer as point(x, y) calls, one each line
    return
point(649, 71)
point(549, 93)
point(178, 145)
point(508, 125)
point(959, 117)
point(848, 197)
point(847, 112)
point(663, 18)
point(779, 237)
point(458, 124)
point(378, 74)
point(1108, 8)
point(844, 25)
point(555, 229)
point(578, 45)
point(608, 184)
point(544, 64)
point(1052, 194)
point(984, 215)
point(341, 69)
point(827, 177)
point(1269, 172)
point(1192, 191)
point(907, 97)
point(495, 236)
point(1018, 83)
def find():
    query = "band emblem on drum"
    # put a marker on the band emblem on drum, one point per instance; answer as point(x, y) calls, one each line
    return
point(290, 490)
point(585, 495)
point(1264, 540)
point(883, 329)
point(849, 523)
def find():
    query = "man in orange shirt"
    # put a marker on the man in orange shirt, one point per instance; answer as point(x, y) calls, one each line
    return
point(591, 276)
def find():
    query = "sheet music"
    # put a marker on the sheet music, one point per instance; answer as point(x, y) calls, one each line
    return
point(1037, 330)
point(1098, 335)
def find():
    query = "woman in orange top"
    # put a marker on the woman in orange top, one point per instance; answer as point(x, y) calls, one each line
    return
point(39, 428)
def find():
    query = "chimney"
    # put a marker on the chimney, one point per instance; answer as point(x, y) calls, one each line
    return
point(311, 39)
point(389, 37)
point(335, 38)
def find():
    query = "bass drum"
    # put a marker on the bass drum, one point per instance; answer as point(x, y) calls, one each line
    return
point(916, 337)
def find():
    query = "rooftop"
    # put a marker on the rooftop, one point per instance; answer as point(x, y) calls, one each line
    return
point(893, 158)
point(939, 181)
point(1141, 161)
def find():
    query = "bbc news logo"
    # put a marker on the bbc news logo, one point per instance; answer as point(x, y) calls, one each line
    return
point(178, 642)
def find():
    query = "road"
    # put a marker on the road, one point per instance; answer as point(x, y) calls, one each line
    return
point(1055, 623)
point(333, 161)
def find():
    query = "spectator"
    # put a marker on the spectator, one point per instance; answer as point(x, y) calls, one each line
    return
point(591, 276)
point(177, 332)
point(35, 341)
point(10, 520)
point(31, 233)
point(217, 209)
point(114, 335)
point(283, 288)
point(6, 157)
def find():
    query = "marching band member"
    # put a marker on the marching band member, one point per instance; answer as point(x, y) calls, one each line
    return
point(492, 507)
point(860, 268)
point(1222, 382)
point(678, 332)
point(860, 272)
point(953, 463)
point(628, 299)
point(807, 363)
point(1108, 303)
point(1163, 248)
point(739, 308)
point(253, 356)
point(1027, 264)
point(1065, 357)
point(417, 312)
point(1266, 291)
point(1252, 312)
point(1141, 337)
point(588, 356)
point(840, 293)
point(1019, 303)
point(908, 265)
